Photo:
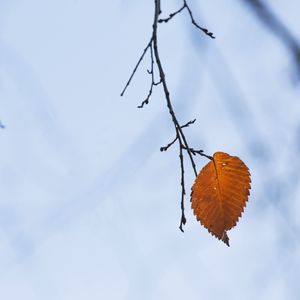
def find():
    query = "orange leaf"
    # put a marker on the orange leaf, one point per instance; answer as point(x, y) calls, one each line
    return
point(219, 194)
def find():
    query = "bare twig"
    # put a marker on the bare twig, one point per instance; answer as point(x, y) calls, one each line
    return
point(169, 145)
point(179, 134)
point(136, 67)
point(153, 83)
point(183, 218)
point(200, 152)
point(186, 6)
point(172, 15)
point(210, 34)
point(188, 123)
point(178, 128)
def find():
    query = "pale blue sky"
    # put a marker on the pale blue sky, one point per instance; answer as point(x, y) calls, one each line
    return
point(89, 206)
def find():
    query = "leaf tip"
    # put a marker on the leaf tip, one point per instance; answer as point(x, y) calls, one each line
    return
point(225, 239)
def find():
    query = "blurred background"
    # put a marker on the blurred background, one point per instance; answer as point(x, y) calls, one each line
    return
point(89, 206)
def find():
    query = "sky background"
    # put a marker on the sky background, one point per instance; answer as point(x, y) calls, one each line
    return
point(89, 206)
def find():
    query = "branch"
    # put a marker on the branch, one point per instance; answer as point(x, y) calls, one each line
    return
point(183, 218)
point(200, 152)
point(179, 134)
point(178, 128)
point(210, 34)
point(136, 67)
point(153, 83)
point(270, 20)
point(169, 145)
point(186, 6)
point(172, 15)
point(188, 123)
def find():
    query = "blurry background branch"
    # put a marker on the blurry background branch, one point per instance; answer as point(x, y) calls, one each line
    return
point(279, 29)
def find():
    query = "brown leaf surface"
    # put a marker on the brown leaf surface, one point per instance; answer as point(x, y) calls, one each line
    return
point(219, 194)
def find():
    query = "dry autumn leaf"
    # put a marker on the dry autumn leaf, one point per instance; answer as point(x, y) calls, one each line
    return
point(219, 194)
